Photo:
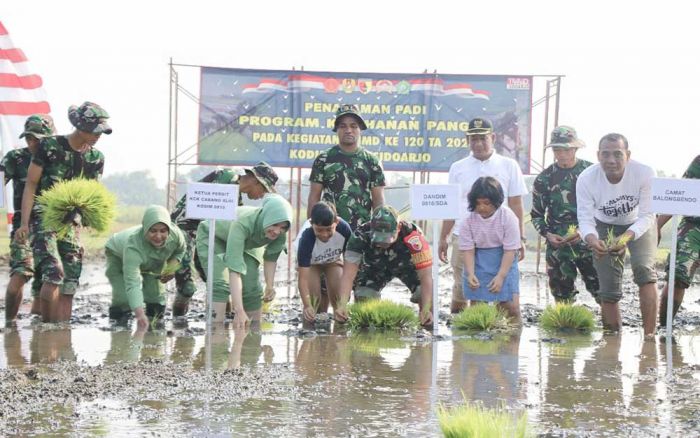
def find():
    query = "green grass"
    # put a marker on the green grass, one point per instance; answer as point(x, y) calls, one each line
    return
point(567, 316)
point(381, 314)
point(471, 420)
point(481, 317)
point(78, 202)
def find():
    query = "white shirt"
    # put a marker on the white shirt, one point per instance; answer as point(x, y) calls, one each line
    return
point(626, 203)
point(467, 170)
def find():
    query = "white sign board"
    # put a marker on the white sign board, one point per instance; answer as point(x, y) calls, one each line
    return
point(211, 201)
point(675, 196)
point(435, 201)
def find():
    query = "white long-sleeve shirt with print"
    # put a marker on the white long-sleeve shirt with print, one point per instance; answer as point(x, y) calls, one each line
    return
point(626, 203)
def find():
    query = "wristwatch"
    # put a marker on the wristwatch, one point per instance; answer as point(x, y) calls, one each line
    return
point(523, 239)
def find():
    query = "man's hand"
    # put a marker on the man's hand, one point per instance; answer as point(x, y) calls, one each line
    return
point(241, 319)
point(521, 253)
point(22, 233)
point(442, 250)
point(426, 317)
point(309, 314)
point(341, 314)
point(555, 240)
point(473, 281)
point(269, 294)
point(166, 278)
point(496, 284)
point(141, 318)
point(597, 245)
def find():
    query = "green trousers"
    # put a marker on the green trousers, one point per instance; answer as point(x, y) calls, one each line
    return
point(153, 289)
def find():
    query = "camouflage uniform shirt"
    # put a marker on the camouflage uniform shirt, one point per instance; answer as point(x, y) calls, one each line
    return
point(347, 180)
point(15, 164)
point(693, 172)
point(60, 162)
point(378, 266)
point(554, 198)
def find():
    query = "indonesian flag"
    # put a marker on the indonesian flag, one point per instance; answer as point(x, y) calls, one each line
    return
point(21, 95)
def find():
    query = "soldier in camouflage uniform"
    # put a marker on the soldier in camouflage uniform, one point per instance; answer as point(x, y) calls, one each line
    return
point(59, 158)
point(15, 165)
point(554, 212)
point(687, 251)
point(381, 250)
point(255, 182)
point(347, 174)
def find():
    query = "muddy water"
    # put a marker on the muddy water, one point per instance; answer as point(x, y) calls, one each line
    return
point(283, 379)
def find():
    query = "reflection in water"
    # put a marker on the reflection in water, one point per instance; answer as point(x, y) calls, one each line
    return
point(487, 370)
point(351, 383)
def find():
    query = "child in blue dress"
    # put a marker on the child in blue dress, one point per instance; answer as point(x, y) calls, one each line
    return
point(489, 238)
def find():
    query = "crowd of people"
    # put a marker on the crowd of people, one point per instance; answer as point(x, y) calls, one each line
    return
point(354, 243)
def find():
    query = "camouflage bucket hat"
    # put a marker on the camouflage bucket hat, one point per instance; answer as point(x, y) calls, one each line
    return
point(38, 126)
point(385, 222)
point(565, 137)
point(265, 174)
point(89, 117)
point(348, 110)
point(479, 126)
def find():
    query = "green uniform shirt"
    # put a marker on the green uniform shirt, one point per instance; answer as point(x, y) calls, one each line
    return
point(693, 172)
point(60, 162)
point(15, 164)
point(554, 198)
point(347, 181)
point(139, 257)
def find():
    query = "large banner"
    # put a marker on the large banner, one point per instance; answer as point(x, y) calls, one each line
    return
point(414, 122)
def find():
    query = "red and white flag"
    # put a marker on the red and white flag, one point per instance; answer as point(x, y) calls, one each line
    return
point(21, 93)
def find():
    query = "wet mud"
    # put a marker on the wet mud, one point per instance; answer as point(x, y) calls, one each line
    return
point(286, 378)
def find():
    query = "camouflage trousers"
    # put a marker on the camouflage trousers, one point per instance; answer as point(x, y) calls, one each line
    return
point(22, 261)
point(687, 254)
point(57, 261)
point(562, 264)
point(183, 277)
point(371, 280)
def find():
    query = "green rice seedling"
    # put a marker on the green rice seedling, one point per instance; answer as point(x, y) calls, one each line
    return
point(472, 420)
point(77, 202)
point(567, 316)
point(614, 243)
point(314, 301)
point(571, 233)
point(372, 343)
point(170, 268)
point(381, 314)
point(481, 317)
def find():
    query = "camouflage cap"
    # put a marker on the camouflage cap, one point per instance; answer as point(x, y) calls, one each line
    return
point(89, 117)
point(265, 174)
point(479, 126)
point(348, 110)
point(565, 137)
point(38, 126)
point(384, 224)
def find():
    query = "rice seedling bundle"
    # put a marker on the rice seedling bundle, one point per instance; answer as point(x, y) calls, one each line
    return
point(481, 317)
point(381, 314)
point(472, 420)
point(567, 316)
point(77, 202)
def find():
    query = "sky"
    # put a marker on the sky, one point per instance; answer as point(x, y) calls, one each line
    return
point(629, 67)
